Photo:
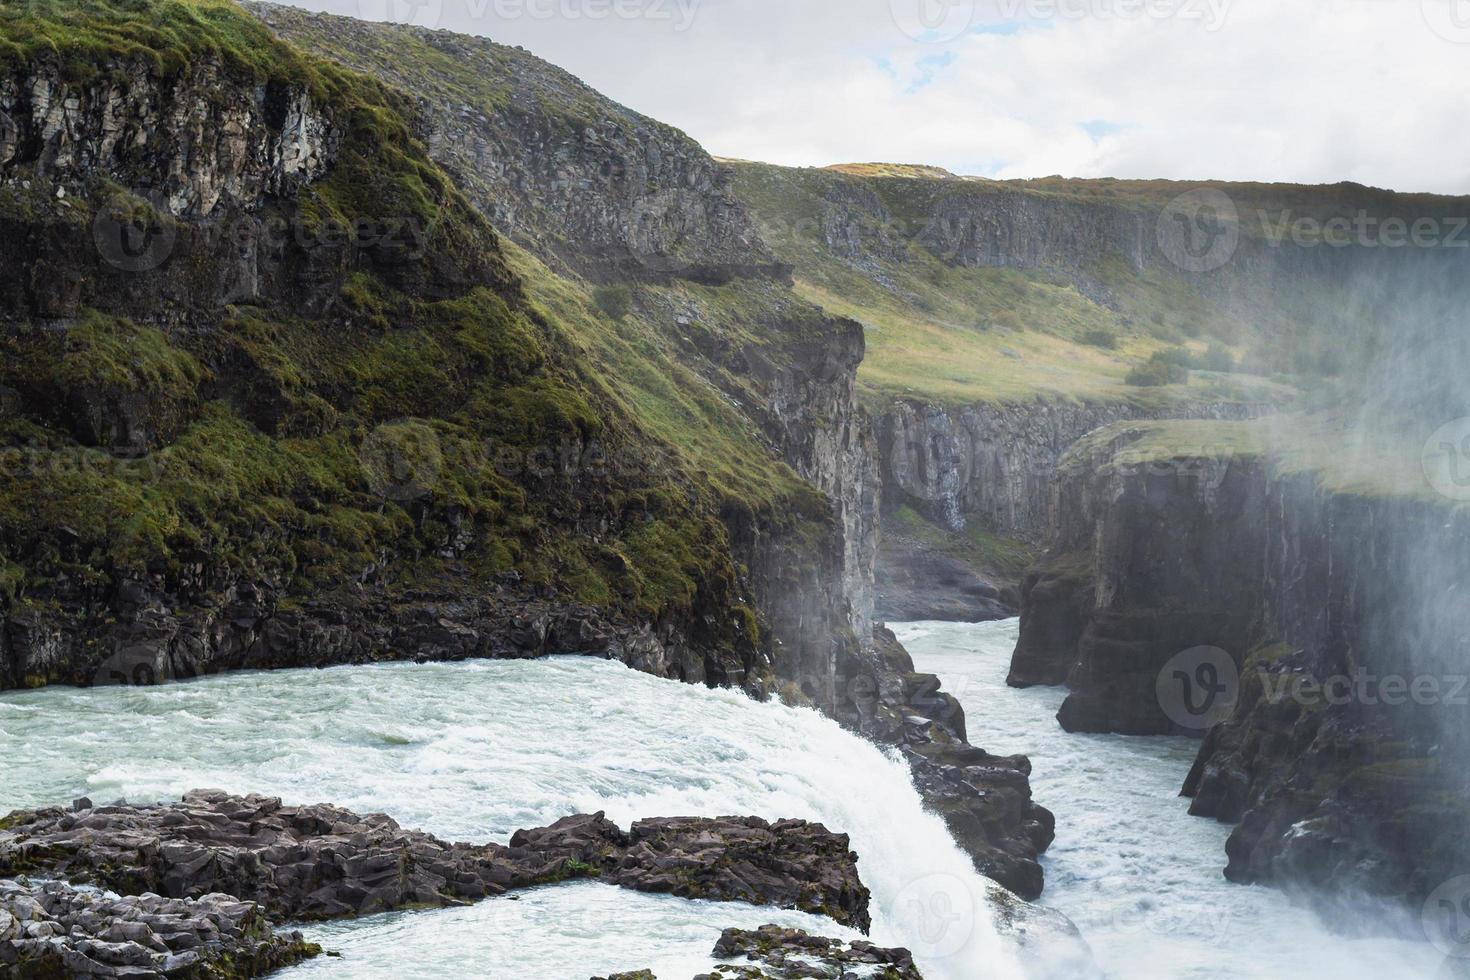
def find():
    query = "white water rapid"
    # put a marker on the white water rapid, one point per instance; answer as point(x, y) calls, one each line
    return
point(1141, 877)
point(476, 751)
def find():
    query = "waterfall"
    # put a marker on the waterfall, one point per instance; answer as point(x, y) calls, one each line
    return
point(475, 751)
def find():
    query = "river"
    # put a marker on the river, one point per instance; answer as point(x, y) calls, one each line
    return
point(475, 751)
point(1139, 876)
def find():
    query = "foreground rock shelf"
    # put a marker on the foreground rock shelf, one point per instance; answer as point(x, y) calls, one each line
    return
point(773, 953)
point(55, 930)
point(322, 862)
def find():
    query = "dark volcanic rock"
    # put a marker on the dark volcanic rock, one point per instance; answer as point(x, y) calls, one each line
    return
point(985, 800)
point(1337, 746)
point(773, 953)
point(790, 863)
point(918, 584)
point(323, 862)
point(55, 930)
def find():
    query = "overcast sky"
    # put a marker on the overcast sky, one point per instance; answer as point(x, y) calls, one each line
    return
point(1375, 91)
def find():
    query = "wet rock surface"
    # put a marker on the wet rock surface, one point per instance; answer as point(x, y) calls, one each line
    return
point(54, 930)
point(774, 953)
point(985, 800)
point(1327, 607)
point(786, 954)
point(322, 862)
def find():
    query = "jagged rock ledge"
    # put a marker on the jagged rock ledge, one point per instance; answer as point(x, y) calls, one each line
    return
point(306, 863)
point(52, 929)
point(774, 953)
point(985, 799)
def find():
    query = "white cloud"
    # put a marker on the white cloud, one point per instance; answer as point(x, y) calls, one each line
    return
point(1293, 90)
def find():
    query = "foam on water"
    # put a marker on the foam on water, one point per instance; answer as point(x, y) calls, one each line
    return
point(476, 751)
point(1141, 877)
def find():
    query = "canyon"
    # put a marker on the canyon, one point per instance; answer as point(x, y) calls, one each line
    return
point(351, 343)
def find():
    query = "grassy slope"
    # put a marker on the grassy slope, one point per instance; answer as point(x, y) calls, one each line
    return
point(524, 363)
point(950, 336)
point(960, 336)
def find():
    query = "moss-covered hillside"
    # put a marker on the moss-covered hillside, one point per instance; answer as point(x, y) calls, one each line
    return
point(420, 405)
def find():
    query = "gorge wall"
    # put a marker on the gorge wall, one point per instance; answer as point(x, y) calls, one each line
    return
point(598, 190)
point(1230, 594)
point(991, 465)
point(284, 392)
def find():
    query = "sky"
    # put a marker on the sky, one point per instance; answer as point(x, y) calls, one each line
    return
point(1314, 91)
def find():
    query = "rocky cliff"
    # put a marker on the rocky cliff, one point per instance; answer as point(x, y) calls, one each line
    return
point(189, 206)
point(1315, 633)
point(283, 391)
point(990, 466)
point(598, 190)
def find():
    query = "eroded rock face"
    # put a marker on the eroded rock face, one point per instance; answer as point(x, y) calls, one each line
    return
point(1329, 605)
point(985, 800)
point(988, 466)
point(54, 930)
point(323, 862)
point(557, 166)
point(199, 142)
point(774, 953)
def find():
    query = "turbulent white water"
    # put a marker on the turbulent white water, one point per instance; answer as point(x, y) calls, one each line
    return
point(1139, 875)
point(476, 751)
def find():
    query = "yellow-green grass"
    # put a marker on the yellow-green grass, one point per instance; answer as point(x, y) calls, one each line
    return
point(1343, 454)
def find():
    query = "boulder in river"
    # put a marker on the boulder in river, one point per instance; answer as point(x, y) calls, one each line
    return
point(774, 953)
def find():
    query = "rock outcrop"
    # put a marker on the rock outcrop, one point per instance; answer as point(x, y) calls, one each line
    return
point(557, 166)
point(985, 800)
point(1231, 597)
point(55, 930)
point(774, 953)
point(323, 862)
point(785, 954)
point(598, 190)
